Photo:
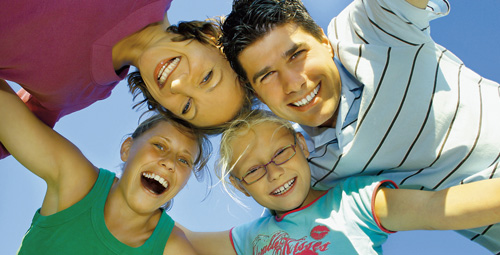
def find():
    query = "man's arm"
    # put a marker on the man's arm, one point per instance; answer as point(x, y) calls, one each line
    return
point(464, 206)
point(422, 4)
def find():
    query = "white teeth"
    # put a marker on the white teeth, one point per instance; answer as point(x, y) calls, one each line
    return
point(167, 69)
point(157, 178)
point(284, 188)
point(308, 98)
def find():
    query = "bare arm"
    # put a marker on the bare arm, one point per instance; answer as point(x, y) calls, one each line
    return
point(422, 4)
point(460, 207)
point(178, 243)
point(68, 174)
point(210, 243)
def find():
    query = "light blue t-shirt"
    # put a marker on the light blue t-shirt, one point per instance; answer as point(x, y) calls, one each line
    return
point(339, 222)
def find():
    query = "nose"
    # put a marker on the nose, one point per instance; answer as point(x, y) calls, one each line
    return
point(292, 81)
point(274, 172)
point(180, 85)
point(167, 162)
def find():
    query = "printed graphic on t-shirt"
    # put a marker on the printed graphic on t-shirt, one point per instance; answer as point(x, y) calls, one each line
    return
point(280, 243)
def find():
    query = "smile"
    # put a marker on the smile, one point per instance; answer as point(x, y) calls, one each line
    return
point(164, 69)
point(285, 188)
point(307, 99)
point(154, 183)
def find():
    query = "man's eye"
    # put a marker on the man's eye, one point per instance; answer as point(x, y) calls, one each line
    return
point(296, 54)
point(207, 77)
point(187, 107)
point(266, 76)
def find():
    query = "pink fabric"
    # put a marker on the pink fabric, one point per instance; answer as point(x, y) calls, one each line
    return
point(60, 52)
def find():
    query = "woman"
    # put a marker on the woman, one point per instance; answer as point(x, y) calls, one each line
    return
point(68, 55)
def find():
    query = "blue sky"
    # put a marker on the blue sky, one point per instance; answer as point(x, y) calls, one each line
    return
point(470, 31)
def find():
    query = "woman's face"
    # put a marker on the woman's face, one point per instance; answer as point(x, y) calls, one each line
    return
point(192, 80)
point(158, 165)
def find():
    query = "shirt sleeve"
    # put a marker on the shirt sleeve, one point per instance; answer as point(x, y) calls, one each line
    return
point(388, 184)
point(238, 236)
point(358, 196)
point(392, 22)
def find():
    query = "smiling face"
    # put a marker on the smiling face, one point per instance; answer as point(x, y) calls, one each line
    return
point(192, 80)
point(158, 165)
point(294, 74)
point(282, 188)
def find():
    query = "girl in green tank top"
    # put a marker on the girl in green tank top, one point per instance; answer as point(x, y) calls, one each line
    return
point(87, 210)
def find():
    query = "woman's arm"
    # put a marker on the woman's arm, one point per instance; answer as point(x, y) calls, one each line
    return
point(178, 243)
point(68, 174)
point(460, 207)
point(209, 243)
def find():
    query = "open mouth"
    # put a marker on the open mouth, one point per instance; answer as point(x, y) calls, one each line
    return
point(164, 69)
point(284, 188)
point(307, 99)
point(154, 183)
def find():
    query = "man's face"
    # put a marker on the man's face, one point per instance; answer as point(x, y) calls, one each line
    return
point(294, 74)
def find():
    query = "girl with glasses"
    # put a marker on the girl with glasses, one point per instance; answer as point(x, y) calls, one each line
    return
point(264, 158)
point(87, 210)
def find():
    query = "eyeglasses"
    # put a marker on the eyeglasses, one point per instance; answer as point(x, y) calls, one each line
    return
point(256, 173)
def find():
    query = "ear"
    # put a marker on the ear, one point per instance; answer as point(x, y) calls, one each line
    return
point(301, 141)
point(125, 149)
point(239, 186)
point(326, 42)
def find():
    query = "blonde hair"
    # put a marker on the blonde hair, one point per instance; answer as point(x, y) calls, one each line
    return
point(247, 122)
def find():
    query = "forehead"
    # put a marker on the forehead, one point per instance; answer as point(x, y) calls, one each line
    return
point(259, 141)
point(179, 138)
point(272, 47)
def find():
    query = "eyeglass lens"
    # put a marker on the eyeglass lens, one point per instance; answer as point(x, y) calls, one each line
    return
point(282, 156)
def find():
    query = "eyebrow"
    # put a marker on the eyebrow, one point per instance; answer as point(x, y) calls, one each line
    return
point(169, 142)
point(285, 55)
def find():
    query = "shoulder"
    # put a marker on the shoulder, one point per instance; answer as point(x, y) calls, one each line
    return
point(359, 190)
point(178, 243)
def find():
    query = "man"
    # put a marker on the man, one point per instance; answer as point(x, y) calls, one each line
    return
point(377, 96)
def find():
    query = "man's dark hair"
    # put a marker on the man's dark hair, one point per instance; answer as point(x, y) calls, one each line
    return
point(251, 20)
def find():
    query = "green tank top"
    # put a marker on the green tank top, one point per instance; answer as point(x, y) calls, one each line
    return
point(80, 229)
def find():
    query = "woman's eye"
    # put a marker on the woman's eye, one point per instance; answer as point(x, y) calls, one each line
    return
point(184, 161)
point(207, 77)
point(159, 146)
point(279, 152)
point(252, 170)
point(187, 107)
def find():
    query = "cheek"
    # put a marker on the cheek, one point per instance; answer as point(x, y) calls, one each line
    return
point(184, 178)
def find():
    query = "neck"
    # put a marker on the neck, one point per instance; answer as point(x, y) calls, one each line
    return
point(312, 195)
point(128, 50)
point(126, 225)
